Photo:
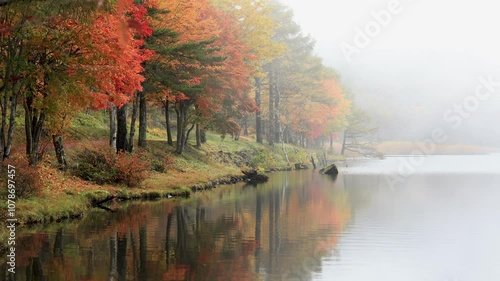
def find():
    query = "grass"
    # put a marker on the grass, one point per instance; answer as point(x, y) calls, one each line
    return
point(64, 196)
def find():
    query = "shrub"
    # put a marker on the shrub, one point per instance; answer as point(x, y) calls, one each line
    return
point(131, 169)
point(28, 180)
point(168, 162)
point(264, 160)
point(103, 166)
point(297, 155)
point(162, 165)
point(157, 166)
point(95, 164)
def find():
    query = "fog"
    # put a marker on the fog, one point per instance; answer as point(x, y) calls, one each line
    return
point(417, 69)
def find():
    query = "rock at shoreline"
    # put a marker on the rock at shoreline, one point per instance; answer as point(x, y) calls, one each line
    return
point(330, 170)
point(255, 177)
point(300, 166)
point(259, 178)
point(251, 173)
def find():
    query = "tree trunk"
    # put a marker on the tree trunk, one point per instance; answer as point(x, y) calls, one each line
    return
point(236, 134)
point(4, 105)
point(112, 126)
point(15, 54)
point(245, 125)
point(198, 136)
point(121, 128)
point(167, 124)
point(258, 114)
point(331, 142)
point(181, 111)
point(135, 105)
point(10, 133)
point(8, 104)
point(187, 135)
point(284, 151)
point(277, 119)
point(313, 163)
point(203, 135)
point(57, 140)
point(34, 121)
point(3, 141)
point(142, 119)
point(270, 133)
point(343, 143)
point(179, 138)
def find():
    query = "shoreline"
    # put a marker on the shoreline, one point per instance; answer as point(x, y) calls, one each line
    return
point(62, 196)
point(98, 197)
point(84, 202)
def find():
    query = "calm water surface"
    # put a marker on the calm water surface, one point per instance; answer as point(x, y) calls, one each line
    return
point(434, 219)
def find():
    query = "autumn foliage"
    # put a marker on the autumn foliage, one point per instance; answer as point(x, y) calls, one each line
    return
point(29, 181)
point(131, 168)
point(226, 66)
point(116, 55)
point(103, 166)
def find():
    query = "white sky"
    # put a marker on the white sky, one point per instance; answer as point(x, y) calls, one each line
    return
point(430, 55)
point(444, 25)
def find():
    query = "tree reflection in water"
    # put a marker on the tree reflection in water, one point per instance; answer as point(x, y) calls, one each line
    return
point(239, 233)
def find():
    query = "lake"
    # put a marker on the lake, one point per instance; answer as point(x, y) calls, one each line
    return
point(431, 218)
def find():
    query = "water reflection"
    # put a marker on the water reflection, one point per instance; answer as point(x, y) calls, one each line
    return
point(234, 233)
point(299, 226)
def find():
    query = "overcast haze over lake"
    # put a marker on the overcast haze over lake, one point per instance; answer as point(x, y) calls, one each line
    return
point(428, 58)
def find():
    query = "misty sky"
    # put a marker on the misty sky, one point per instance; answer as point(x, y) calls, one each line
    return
point(427, 58)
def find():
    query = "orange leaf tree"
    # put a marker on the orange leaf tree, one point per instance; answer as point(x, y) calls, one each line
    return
point(186, 55)
point(227, 99)
point(116, 59)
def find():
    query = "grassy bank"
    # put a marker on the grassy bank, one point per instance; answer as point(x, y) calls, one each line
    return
point(64, 195)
